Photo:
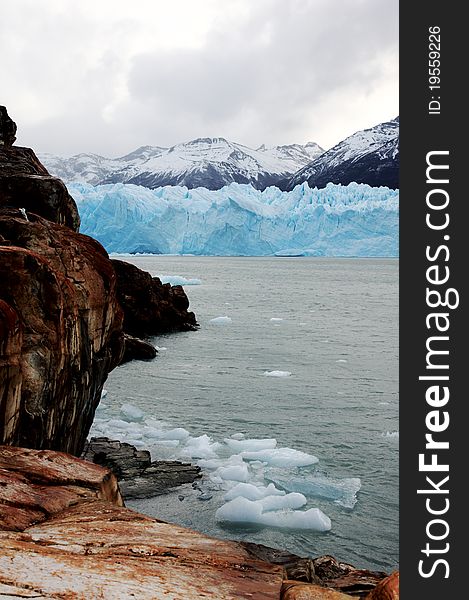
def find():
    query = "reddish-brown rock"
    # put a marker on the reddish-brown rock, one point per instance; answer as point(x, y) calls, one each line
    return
point(387, 589)
point(151, 307)
point(293, 590)
point(61, 332)
point(36, 484)
point(87, 546)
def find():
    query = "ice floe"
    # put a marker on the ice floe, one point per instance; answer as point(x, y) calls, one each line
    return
point(242, 510)
point(221, 320)
point(316, 485)
point(277, 373)
point(250, 480)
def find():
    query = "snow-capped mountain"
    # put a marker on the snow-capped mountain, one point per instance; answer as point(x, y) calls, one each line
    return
point(354, 220)
point(205, 162)
point(370, 156)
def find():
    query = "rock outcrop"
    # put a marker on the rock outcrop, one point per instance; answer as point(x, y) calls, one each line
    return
point(138, 476)
point(151, 307)
point(35, 485)
point(137, 349)
point(62, 331)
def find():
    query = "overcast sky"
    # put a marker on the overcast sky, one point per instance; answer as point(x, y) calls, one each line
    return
point(107, 76)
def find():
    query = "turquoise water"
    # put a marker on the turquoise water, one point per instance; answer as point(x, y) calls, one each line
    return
point(338, 337)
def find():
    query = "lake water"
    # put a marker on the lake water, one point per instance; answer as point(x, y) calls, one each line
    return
point(335, 330)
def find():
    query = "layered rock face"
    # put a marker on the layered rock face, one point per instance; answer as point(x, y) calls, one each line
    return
point(62, 331)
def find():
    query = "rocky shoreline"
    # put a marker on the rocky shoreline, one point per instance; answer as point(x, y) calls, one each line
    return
point(68, 316)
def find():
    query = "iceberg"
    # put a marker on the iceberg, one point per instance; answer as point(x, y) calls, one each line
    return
point(241, 510)
point(341, 491)
point(351, 221)
point(277, 373)
point(221, 320)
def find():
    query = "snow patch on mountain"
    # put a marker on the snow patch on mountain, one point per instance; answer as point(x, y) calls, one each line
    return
point(353, 220)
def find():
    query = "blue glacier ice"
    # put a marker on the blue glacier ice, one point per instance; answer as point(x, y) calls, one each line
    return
point(353, 220)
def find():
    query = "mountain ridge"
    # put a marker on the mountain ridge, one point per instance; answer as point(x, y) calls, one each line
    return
point(368, 156)
point(208, 162)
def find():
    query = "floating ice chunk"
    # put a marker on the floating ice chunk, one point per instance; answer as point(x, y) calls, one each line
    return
point(211, 463)
point(341, 360)
point(341, 491)
point(253, 492)
point(200, 447)
point(281, 457)
point(103, 394)
point(221, 320)
point(119, 425)
point(241, 510)
point(179, 433)
point(276, 502)
point(135, 442)
point(277, 373)
point(166, 443)
point(251, 444)
point(216, 479)
point(313, 519)
point(234, 473)
point(390, 434)
point(132, 413)
point(276, 320)
point(237, 436)
point(161, 348)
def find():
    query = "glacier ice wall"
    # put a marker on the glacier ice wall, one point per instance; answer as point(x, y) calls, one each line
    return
point(353, 220)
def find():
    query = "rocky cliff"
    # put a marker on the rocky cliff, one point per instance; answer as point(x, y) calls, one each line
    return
point(61, 316)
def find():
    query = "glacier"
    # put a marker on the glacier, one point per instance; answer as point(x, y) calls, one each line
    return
point(238, 220)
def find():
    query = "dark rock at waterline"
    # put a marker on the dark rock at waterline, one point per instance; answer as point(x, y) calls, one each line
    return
point(151, 307)
point(7, 128)
point(137, 349)
point(138, 476)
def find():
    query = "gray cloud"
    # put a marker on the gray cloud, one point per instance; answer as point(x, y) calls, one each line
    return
point(271, 71)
